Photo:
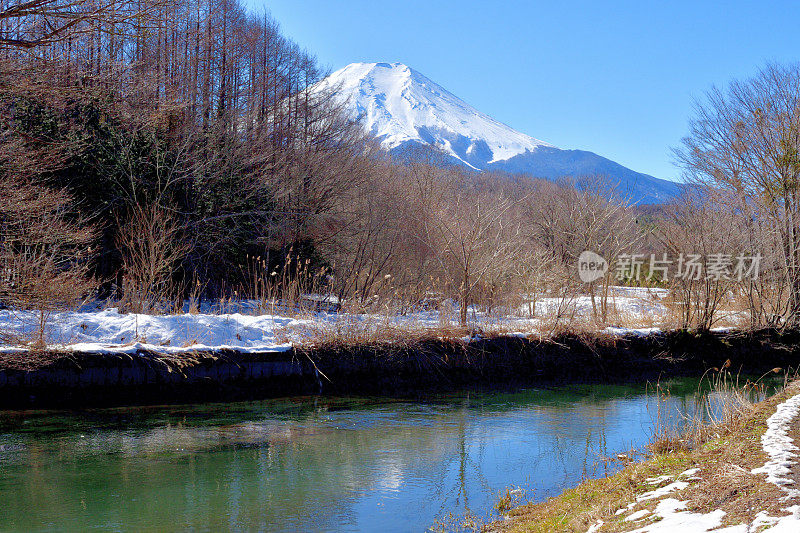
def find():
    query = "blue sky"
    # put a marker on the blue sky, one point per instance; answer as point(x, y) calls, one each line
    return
point(616, 78)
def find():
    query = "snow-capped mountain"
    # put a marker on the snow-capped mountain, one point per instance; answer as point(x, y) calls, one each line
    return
point(403, 108)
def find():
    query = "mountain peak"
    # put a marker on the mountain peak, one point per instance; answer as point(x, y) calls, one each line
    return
point(399, 105)
point(402, 108)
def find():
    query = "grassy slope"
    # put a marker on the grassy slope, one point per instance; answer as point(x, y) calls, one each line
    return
point(724, 459)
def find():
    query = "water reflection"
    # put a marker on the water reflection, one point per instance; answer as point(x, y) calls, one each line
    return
point(311, 464)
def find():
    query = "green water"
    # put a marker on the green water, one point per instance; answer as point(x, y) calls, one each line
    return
point(313, 464)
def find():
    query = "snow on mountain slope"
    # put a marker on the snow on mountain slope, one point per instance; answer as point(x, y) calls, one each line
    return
point(403, 108)
point(398, 104)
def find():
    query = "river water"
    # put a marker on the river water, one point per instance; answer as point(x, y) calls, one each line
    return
point(315, 464)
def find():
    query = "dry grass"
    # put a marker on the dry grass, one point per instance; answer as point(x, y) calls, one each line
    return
point(368, 330)
point(722, 398)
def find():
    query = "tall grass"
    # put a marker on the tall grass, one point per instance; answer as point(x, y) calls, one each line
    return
point(721, 400)
point(286, 290)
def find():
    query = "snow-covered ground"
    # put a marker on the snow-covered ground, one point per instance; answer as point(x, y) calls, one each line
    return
point(247, 327)
point(779, 446)
point(109, 330)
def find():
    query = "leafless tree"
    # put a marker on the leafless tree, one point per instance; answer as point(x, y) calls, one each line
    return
point(746, 141)
point(567, 219)
point(45, 250)
point(36, 23)
point(699, 231)
point(151, 240)
point(468, 230)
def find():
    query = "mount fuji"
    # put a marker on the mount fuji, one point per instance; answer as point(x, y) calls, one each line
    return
point(404, 109)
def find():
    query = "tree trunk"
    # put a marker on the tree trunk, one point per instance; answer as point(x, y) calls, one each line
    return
point(464, 298)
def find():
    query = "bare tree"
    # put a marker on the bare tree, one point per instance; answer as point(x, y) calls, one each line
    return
point(567, 219)
point(746, 141)
point(152, 246)
point(469, 231)
point(45, 250)
point(704, 237)
point(35, 23)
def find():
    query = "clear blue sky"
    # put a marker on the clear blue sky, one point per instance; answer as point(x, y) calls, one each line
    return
point(616, 78)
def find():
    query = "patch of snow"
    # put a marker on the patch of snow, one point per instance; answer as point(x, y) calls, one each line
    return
point(638, 515)
point(674, 519)
point(663, 491)
point(595, 527)
point(639, 292)
point(11, 350)
point(251, 326)
point(624, 303)
point(784, 524)
point(780, 449)
point(658, 479)
point(639, 332)
point(626, 508)
point(779, 446)
point(689, 473)
point(109, 331)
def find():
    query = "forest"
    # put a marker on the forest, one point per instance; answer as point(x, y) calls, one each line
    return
point(159, 153)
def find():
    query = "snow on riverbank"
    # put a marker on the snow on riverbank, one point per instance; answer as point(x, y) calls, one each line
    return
point(108, 330)
point(673, 516)
point(779, 446)
point(244, 327)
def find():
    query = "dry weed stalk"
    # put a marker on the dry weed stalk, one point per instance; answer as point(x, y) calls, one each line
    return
point(720, 401)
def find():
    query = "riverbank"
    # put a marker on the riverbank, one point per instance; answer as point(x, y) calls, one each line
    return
point(741, 478)
point(140, 376)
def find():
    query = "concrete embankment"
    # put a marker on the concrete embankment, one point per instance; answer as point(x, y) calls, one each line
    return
point(55, 379)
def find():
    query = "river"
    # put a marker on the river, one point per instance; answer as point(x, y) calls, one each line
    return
point(315, 463)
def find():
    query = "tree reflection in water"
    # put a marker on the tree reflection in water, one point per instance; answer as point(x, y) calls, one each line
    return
point(312, 463)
